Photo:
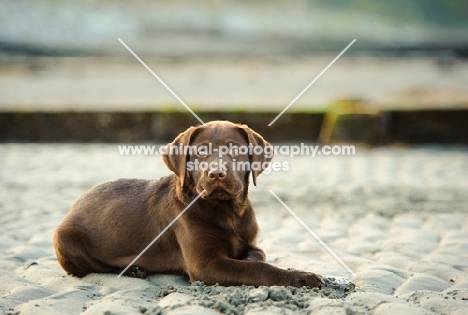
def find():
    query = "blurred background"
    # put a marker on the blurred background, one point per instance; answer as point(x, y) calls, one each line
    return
point(65, 77)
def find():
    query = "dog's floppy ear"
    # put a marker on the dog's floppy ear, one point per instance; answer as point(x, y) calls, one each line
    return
point(259, 159)
point(175, 154)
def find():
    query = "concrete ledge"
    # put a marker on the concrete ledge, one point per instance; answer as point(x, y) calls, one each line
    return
point(414, 127)
point(143, 126)
point(430, 126)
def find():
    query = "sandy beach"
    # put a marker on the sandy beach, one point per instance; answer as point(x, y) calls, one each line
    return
point(396, 216)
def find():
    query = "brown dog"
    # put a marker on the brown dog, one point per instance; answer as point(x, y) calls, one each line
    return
point(214, 241)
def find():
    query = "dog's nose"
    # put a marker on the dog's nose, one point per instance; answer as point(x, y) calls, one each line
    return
point(217, 174)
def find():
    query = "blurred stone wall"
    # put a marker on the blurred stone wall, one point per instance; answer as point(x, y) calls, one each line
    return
point(224, 28)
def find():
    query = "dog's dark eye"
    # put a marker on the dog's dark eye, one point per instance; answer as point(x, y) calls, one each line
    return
point(202, 152)
point(234, 151)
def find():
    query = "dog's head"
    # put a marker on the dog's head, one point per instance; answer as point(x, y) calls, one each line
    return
point(218, 157)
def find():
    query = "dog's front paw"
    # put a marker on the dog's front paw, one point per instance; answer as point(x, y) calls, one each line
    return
point(308, 279)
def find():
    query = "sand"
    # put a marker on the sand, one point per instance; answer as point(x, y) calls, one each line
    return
point(398, 217)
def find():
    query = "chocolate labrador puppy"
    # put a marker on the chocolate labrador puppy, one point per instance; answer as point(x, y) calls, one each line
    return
point(213, 242)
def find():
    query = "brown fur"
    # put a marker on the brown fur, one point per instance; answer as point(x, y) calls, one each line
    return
point(214, 241)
